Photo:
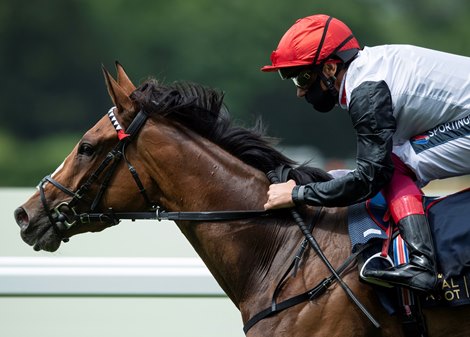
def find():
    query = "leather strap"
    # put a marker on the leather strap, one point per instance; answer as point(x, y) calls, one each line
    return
point(174, 216)
point(309, 295)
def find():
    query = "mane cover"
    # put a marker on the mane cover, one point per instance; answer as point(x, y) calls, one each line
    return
point(202, 110)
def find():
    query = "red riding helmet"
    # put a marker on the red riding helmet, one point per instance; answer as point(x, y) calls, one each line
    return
point(312, 41)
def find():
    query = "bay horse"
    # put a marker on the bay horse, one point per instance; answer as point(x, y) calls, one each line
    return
point(175, 146)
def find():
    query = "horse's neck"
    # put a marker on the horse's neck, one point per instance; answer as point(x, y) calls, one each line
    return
point(246, 257)
point(195, 175)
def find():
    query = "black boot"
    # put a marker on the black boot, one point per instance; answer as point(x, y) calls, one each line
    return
point(420, 273)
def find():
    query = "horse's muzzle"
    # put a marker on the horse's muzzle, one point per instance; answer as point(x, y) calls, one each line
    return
point(21, 218)
point(28, 234)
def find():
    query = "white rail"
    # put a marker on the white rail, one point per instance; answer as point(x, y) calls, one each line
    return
point(93, 276)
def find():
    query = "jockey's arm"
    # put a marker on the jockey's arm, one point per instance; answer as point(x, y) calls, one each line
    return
point(372, 117)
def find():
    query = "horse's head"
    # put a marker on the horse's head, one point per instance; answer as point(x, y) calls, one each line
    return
point(94, 174)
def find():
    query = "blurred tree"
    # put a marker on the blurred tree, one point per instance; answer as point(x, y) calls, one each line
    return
point(47, 55)
point(51, 53)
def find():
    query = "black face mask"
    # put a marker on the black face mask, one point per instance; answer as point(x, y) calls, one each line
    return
point(323, 101)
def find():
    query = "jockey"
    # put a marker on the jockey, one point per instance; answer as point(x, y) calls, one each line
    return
point(410, 108)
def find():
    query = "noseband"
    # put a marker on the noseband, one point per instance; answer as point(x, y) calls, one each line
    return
point(64, 216)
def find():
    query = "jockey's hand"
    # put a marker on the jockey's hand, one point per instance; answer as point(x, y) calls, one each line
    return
point(280, 195)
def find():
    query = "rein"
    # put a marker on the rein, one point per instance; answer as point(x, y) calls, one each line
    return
point(159, 215)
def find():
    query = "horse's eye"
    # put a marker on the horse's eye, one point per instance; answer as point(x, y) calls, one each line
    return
point(86, 149)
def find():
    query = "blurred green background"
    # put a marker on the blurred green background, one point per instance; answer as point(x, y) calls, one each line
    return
point(51, 52)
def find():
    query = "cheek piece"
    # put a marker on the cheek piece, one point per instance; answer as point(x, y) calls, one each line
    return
point(322, 101)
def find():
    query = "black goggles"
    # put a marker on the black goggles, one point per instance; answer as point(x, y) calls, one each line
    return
point(301, 78)
point(290, 72)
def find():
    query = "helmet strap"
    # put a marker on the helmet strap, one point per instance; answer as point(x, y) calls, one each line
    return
point(322, 40)
point(329, 82)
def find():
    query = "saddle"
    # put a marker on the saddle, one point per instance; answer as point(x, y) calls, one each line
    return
point(370, 225)
point(448, 216)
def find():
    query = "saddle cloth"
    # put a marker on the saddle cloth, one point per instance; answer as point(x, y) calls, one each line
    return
point(449, 219)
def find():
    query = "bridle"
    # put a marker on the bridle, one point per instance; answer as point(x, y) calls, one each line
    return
point(64, 216)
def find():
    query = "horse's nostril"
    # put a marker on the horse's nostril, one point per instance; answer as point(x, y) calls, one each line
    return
point(21, 217)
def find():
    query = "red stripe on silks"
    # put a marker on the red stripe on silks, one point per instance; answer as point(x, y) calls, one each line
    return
point(121, 134)
point(343, 97)
point(406, 205)
point(401, 253)
point(400, 250)
point(386, 243)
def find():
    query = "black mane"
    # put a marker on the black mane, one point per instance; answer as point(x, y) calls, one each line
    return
point(201, 109)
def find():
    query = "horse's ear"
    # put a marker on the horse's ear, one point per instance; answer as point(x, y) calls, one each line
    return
point(123, 80)
point(118, 95)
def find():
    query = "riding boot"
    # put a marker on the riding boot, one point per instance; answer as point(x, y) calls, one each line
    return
point(420, 273)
